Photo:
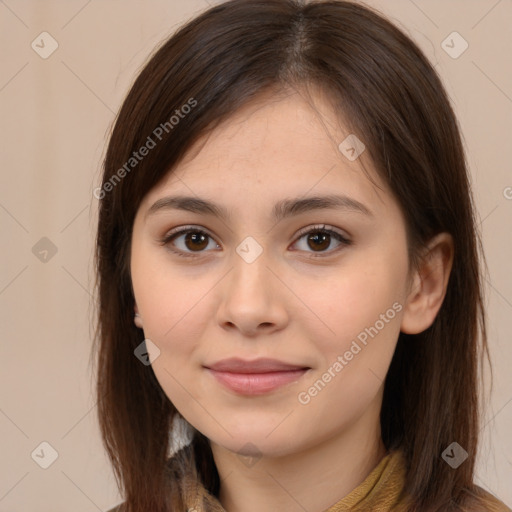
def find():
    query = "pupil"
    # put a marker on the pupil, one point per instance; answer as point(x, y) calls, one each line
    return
point(193, 236)
point(321, 235)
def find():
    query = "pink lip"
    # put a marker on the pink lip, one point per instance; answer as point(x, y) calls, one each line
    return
point(261, 365)
point(255, 377)
point(257, 383)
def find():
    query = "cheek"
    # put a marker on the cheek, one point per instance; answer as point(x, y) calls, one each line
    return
point(360, 312)
point(354, 359)
point(172, 299)
point(175, 313)
point(353, 300)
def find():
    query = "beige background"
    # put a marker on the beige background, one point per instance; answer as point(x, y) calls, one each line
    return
point(56, 114)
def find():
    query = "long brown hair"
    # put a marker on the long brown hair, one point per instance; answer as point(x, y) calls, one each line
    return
point(387, 91)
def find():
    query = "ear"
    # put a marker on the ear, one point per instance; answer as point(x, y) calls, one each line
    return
point(137, 318)
point(429, 284)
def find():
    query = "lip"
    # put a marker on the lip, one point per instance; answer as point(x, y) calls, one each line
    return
point(255, 377)
point(261, 365)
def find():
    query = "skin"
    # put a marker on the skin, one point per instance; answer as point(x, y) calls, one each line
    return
point(283, 305)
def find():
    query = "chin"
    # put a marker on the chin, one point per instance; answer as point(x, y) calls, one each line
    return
point(255, 444)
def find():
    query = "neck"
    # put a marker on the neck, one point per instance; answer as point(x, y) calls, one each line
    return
point(332, 467)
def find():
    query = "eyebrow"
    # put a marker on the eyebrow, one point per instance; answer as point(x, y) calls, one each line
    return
point(281, 210)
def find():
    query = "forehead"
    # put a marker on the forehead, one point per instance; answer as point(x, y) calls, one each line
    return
point(274, 147)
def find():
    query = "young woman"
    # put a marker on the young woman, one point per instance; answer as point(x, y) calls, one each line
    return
point(288, 264)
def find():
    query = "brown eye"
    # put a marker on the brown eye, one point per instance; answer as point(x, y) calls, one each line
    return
point(192, 242)
point(319, 240)
point(186, 242)
point(195, 240)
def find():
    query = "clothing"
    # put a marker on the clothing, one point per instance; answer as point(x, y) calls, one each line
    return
point(379, 492)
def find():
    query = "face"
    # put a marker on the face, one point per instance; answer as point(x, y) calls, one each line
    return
point(321, 288)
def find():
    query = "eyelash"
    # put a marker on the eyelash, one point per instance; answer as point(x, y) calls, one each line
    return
point(314, 229)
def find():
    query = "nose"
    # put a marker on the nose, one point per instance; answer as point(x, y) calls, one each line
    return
point(252, 298)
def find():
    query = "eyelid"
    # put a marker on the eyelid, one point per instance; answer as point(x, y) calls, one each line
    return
point(343, 238)
point(322, 227)
point(183, 229)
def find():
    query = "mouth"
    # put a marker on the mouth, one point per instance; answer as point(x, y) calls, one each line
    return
point(255, 377)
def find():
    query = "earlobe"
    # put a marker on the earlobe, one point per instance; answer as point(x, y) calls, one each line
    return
point(429, 285)
point(137, 318)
